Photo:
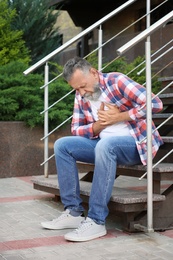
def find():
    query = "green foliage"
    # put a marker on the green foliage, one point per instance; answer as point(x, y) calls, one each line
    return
point(22, 99)
point(93, 60)
point(37, 21)
point(119, 65)
point(131, 69)
point(63, 109)
point(12, 46)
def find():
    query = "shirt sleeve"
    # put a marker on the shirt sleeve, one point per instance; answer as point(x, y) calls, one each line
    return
point(137, 95)
point(82, 121)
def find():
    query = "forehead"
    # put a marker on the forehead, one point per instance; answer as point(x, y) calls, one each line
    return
point(79, 78)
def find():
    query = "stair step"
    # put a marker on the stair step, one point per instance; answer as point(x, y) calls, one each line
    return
point(163, 171)
point(167, 139)
point(123, 199)
point(166, 98)
point(122, 195)
point(160, 168)
point(166, 95)
point(128, 201)
point(159, 118)
point(165, 79)
point(163, 115)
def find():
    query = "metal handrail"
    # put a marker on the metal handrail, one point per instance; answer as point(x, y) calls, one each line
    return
point(145, 33)
point(161, 160)
point(96, 49)
point(151, 56)
point(156, 59)
point(74, 39)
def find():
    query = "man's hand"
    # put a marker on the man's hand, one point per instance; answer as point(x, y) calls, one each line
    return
point(108, 116)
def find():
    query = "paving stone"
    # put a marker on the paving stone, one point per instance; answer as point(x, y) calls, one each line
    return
point(21, 236)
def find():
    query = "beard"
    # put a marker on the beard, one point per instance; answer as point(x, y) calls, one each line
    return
point(95, 95)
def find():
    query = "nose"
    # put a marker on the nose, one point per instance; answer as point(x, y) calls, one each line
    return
point(82, 92)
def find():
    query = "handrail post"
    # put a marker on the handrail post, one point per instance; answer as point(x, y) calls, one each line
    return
point(149, 141)
point(46, 120)
point(100, 36)
point(149, 128)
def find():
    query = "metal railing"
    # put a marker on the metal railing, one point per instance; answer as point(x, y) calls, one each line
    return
point(120, 51)
point(79, 36)
point(144, 35)
point(53, 54)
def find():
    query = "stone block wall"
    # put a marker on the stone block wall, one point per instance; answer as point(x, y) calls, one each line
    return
point(21, 150)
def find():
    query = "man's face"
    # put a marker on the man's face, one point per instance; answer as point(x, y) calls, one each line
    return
point(86, 83)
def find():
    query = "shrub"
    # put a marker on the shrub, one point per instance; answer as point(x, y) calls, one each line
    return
point(22, 99)
point(12, 45)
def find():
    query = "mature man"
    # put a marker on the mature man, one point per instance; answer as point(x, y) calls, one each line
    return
point(109, 128)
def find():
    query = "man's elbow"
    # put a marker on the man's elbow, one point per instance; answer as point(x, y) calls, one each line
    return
point(158, 107)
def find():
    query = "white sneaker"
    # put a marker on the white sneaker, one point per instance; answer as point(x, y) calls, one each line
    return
point(86, 231)
point(64, 221)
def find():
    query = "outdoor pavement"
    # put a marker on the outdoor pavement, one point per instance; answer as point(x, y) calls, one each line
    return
point(21, 236)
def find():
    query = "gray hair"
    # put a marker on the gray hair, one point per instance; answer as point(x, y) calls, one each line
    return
point(73, 64)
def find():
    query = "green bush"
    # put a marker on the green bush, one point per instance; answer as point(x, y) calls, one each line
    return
point(12, 45)
point(37, 20)
point(22, 99)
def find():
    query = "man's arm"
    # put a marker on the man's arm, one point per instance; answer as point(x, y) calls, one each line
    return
point(98, 127)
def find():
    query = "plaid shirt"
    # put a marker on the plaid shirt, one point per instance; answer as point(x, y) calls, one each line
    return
point(128, 96)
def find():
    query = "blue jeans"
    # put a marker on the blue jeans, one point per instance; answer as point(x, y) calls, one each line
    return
point(106, 154)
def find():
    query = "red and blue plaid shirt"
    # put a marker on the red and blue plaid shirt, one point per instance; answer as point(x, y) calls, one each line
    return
point(128, 96)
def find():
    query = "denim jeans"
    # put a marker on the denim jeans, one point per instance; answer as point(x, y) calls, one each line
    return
point(106, 154)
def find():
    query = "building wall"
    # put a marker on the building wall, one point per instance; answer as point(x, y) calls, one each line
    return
point(113, 27)
point(66, 26)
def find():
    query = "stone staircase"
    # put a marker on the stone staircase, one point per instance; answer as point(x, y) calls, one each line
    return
point(130, 203)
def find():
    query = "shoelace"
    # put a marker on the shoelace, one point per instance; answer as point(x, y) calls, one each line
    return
point(84, 225)
point(63, 215)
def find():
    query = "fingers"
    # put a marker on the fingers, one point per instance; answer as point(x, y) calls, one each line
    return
point(111, 106)
point(102, 106)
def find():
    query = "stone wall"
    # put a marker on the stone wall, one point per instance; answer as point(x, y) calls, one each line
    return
point(21, 151)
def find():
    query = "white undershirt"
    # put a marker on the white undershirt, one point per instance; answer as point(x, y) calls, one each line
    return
point(118, 129)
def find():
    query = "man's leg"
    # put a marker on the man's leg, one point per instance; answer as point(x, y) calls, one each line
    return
point(109, 152)
point(68, 150)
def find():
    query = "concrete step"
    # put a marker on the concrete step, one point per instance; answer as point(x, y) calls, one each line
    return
point(167, 128)
point(167, 98)
point(162, 115)
point(163, 171)
point(167, 139)
point(129, 199)
point(123, 199)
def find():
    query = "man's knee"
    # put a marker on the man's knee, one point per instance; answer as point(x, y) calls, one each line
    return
point(61, 143)
point(106, 145)
point(102, 146)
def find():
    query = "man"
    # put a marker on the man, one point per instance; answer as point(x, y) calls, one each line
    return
point(108, 127)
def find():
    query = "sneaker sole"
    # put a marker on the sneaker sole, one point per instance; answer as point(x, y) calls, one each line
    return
point(59, 228)
point(83, 239)
point(69, 226)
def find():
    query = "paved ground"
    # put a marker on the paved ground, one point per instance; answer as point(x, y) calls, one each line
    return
point(21, 237)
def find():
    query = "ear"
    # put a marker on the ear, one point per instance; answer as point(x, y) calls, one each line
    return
point(94, 72)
